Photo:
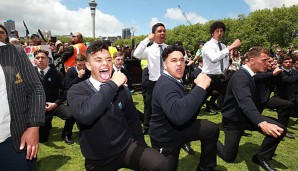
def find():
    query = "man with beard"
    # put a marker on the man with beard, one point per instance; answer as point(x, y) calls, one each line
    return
point(70, 53)
point(110, 136)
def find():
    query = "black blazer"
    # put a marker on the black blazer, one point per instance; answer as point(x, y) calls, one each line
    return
point(286, 86)
point(72, 78)
point(26, 97)
point(238, 105)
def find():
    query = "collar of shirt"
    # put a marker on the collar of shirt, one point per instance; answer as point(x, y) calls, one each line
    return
point(214, 41)
point(45, 70)
point(116, 69)
point(96, 84)
point(157, 45)
point(167, 73)
point(2, 44)
point(287, 70)
point(249, 70)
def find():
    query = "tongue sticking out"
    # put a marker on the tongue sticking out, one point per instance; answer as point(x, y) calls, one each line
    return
point(105, 75)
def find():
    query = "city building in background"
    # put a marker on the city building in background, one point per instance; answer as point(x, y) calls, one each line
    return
point(10, 26)
point(126, 33)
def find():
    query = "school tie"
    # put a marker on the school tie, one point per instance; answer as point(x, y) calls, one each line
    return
point(42, 74)
point(221, 61)
point(161, 61)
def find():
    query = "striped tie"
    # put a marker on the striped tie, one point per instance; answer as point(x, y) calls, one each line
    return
point(42, 74)
point(161, 61)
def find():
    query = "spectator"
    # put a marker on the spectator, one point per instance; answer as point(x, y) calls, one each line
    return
point(3, 34)
point(70, 52)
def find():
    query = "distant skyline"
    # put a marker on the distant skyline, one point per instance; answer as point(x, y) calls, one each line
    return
point(64, 16)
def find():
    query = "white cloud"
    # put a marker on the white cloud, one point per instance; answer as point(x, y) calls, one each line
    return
point(52, 15)
point(176, 14)
point(262, 4)
point(153, 21)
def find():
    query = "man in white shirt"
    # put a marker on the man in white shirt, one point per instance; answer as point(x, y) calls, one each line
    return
point(155, 65)
point(216, 58)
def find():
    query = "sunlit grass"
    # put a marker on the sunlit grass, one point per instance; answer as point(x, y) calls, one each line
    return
point(56, 155)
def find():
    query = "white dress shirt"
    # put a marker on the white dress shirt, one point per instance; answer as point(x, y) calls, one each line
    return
point(212, 56)
point(152, 54)
point(251, 73)
point(4, 106)
point(96, 84)
point(45, 70)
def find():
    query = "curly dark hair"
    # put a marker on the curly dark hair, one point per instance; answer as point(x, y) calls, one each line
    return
point(217, 25)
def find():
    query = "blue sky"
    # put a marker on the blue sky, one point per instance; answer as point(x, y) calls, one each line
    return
point(65, 16)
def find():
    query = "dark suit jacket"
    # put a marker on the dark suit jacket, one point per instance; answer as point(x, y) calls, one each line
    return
point(173, 109)
point(129, 79)
point(72, 77)
point(238, 105)
point(25, 94)
point(285, 87)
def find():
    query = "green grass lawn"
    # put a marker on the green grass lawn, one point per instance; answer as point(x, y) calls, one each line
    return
point(56, 155)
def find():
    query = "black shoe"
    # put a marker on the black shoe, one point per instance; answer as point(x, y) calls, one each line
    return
point(263, 163)
point(214, 106)
point(145, 131)
point(209, 110)
point(187, 148)
point(289, 135)
point(206, 169)
point(245, 134)
point(68, 139)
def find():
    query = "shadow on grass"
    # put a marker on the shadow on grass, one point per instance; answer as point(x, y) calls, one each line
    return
point(55, 136)
point(51, 163)
point(245, 153)
point(187, 163)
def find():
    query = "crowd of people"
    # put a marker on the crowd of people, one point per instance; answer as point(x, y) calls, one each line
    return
point(90, 86)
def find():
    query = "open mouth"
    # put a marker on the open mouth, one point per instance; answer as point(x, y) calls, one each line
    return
point(104, 74)
point(179, 71)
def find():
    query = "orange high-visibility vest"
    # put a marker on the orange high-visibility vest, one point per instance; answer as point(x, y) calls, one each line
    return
point(79, 48)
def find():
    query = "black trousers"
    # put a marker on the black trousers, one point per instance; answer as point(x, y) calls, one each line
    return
point(233, 132)
point(148, 104)
point(218, 83)
point(13, 161)
point(63, 112)
point(205, 131)
point(137, 156)
point(284, 108)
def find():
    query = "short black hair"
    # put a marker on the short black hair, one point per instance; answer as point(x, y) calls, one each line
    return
point(168, 50)
point(95, 47)
point(217, 25)
point(154, 27)
point(34, 35)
